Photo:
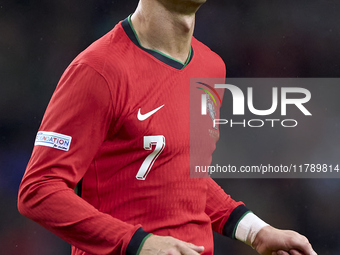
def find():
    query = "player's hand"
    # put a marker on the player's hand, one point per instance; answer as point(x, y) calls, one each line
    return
point(167, 245)
point(272, 241)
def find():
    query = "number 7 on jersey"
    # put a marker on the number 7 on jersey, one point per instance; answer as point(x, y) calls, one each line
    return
point(159, 141)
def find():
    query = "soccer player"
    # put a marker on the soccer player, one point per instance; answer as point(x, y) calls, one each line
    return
point(118, 126)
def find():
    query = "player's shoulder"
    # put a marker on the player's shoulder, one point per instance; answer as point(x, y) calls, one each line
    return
point(106, 54)
point(207, 55)
point(205, 51)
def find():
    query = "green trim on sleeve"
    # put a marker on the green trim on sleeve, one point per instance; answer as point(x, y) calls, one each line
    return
point(236, 215)
point(142, 242)
point(234, 231)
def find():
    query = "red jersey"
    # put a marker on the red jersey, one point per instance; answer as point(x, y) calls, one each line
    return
point(119, 120)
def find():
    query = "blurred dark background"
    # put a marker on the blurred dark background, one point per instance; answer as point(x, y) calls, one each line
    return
point(38, 39)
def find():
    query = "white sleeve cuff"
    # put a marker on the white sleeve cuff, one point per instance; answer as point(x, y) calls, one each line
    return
point(248, 227)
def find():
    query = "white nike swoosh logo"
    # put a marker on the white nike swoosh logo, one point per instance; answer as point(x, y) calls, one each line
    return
point(142, 117)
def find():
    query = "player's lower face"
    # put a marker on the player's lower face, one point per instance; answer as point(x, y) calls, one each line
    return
point(182, 2)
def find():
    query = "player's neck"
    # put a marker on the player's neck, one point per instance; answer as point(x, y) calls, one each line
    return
point(163, 29)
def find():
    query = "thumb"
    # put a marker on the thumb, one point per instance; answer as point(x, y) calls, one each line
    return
point(196, 248)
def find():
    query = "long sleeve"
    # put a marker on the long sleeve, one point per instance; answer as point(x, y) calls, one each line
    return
point(81, 110)
point(223, 211)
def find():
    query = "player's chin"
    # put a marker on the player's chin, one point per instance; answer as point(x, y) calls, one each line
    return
point(199, 1)
point(195, 1)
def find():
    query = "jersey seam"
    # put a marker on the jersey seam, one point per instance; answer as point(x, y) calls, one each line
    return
point(100, 73)
point(113, 116)
point(97, 183)
point(109, 112)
